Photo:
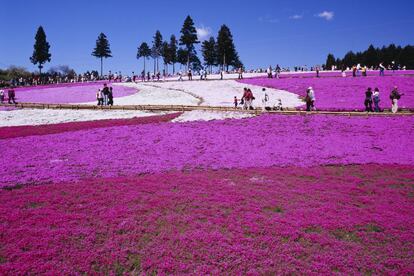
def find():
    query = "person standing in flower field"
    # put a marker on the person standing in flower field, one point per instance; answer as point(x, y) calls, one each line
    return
point(308, 100)
point(354, 70)
point(1, 95)
point(312, 98)
point(99, 97)
point(368, 100)
point(376, 99)
point(110, 97)
point(395, 96)
point(382, 69)
point(105, 92)
point(11, 95)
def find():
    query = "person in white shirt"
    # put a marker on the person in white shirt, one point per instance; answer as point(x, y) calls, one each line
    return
point(264, 99)
point(312, 97)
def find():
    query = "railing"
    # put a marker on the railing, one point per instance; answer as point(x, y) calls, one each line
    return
point(182, 108)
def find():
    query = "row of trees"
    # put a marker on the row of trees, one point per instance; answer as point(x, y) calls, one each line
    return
point(216, 52)
point(372, 57)
point(221, 53)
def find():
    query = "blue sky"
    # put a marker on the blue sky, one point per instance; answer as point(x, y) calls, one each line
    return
point(265, 31)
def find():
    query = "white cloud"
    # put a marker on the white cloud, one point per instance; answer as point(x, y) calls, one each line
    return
point(296, 16)
point(203, 33)
point(328, 15)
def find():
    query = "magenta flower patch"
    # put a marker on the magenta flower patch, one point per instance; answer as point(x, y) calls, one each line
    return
point(264, 141)
point(68, 93)
point(346, 220)
point(336, 93)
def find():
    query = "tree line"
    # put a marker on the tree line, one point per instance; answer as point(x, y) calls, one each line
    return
point(216, 52)
point(372, 57)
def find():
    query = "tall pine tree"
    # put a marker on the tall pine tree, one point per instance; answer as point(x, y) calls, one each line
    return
point(189, 38)
point(182, 56)
point(41, 47)
point(166, 54)
point(102, 49)
point(208, 49)
point(156, 49)
point(144, 52)
point(173, 51)
point(226, 51)
point(330, 61)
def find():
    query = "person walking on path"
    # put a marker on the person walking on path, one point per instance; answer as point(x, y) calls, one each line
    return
point(250, 99)
point(240, 71)
point(395, 96)
point(269, 72)
point(180, 76)
point(368, 100)
point(235, 101)
point(11, 95)
point(244, 98)
point(376, 99)
point(110, 97)
point(190, 75)
point(264, 99)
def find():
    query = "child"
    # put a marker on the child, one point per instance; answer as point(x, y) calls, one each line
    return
point(99, 97)
point(235, 102)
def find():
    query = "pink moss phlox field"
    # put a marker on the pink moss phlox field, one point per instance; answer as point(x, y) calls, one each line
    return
point(23, 131)
point(263, 141)
point(68, 93)
point(347, 220)
point(336, 93)
point(373, 73)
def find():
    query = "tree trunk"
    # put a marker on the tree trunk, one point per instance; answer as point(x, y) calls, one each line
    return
point(188, 61)
point(173, 68)
point(101, 65)
point(144, 67)
point(154, 66)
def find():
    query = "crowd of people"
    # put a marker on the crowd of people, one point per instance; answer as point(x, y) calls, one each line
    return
point(11, 96)
point(373, 97)
point(105, 96)
point(246, 101)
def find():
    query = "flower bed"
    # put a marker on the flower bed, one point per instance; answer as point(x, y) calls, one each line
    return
point(374, 73)
point(264, 141)
point(24, 131)
point(343, 93)
point(320, 220)
point(68, 93)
